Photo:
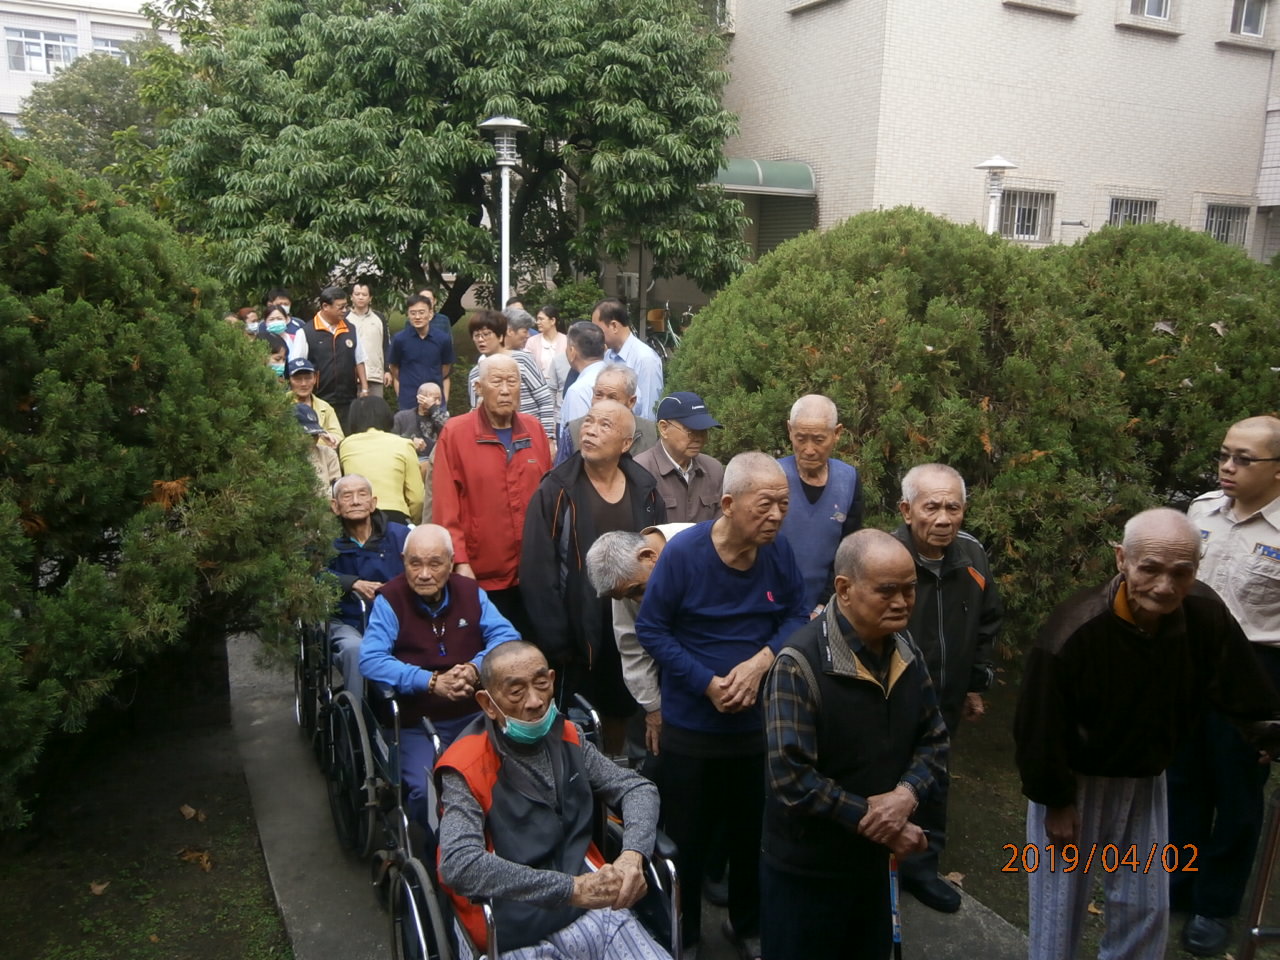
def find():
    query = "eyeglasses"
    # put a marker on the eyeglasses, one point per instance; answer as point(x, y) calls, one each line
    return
point(1222, 456)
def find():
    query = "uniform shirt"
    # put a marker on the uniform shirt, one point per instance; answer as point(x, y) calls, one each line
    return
point(1242, 562)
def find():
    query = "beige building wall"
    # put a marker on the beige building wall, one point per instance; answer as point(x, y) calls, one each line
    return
point(894, 102)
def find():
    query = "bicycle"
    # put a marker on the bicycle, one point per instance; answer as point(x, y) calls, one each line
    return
point(662, 334)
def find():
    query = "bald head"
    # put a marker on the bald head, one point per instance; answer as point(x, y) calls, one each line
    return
point(494, 666)
point(863, 549)
point(1161, 525)
point(875, 584)
point(352, 481)
point(750, 471)
point(1267, 429)
point(608, 430)
point(816, 408)
point(497, 365)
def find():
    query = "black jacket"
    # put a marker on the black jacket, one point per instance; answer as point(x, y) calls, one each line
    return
point(562, 605)
point(955, 620)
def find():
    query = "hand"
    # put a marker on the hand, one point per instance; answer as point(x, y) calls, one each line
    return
point(328, 439)
point(816, 611)
point(743, 682)
point(974, 706)
point(366, 588)
point(718, 693)
point(652, 730)
point(630, 867)
point(456, 683)
point(419, 444)
point(1062, 824)
point(886, 815)
point(464, 570)
point(592, 891)
point(910, 840)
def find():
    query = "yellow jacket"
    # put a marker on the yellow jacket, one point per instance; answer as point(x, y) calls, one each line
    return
point(390, 464)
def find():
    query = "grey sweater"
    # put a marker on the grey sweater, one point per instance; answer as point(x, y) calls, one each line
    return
point(472, 871)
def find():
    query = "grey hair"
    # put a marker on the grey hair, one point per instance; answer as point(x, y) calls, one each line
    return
point(851, 555)
point(630, 381)
point(348, 479)
point(1164, 520)
point(911, 482)
point(492, 659)
point(746, 470)
point(818, 407)
point(587, 339)
point(519, 319)
point(612, 560)
point(422, 530)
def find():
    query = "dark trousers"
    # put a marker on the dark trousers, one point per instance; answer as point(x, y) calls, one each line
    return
point(511, 605)
point(844, 918)
point(697, 794)
point(931, 817)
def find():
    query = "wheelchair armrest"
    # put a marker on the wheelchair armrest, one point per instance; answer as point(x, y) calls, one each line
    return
point(664, 846)
point(379, 690)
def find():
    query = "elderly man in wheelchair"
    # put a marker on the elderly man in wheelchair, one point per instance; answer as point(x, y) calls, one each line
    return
point(518, 792)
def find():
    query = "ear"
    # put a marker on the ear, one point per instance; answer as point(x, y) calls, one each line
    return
point(487, 705)
point(904, 508)
point(628, 441)
point(842, 585)
point(839, 430)
point(1119, 559)
point(333, 505)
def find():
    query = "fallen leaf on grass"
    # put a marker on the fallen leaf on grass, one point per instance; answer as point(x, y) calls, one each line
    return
point(200, 857)
point(187, 811)
point(955, 877)
point(98, 887)
point(1095, 909)
point(153, 938)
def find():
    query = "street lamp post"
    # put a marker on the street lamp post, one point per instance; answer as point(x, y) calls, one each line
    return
point(995, 168)
point(504, 130)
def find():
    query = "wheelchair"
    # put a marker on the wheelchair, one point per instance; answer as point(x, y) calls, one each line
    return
point(313, 687)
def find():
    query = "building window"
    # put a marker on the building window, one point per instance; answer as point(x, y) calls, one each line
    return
point(1159, 9)
point(36, 51)
point(1227, 224)
point(114, 48)
point(1126, 210)
point(1248, 17)
point(1026, 215)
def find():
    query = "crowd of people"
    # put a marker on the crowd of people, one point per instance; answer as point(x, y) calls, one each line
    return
point(790, 681)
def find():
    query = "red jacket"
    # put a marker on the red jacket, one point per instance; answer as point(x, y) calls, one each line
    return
point(481, 497)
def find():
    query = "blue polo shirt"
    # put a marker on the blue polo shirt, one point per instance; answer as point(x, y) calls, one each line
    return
point(419, 359)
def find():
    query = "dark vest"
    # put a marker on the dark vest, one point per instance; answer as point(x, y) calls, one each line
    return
point(334, 357)
point(866, 740)
point(814, 529)
point(520, 828)
point(435, 643)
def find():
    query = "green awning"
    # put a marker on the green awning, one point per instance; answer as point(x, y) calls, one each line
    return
point(783, 178)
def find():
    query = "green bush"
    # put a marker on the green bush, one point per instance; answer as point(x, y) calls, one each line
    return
point(1192, 324)
point(574, 298)
point(936, 342)
point(154, 488)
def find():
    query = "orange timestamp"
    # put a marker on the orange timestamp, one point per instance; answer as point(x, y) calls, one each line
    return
point(1108, 857)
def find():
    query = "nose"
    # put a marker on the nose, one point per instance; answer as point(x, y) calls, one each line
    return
point(534, 700)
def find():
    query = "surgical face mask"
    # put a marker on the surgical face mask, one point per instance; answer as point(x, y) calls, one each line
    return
point(278, 368)
point(252, 327)
point(525, 731)
point(277, 326)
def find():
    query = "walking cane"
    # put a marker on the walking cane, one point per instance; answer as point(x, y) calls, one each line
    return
point(893, 907)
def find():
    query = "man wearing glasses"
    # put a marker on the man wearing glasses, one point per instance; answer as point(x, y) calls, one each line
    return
point(688, 479)
point(1216, 783)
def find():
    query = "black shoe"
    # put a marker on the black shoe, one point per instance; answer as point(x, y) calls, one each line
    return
point(934, 892)
point(716, 892)
point(1205, 936)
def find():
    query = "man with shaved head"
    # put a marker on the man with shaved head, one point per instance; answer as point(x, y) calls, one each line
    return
point(596, 490)
point(826, 494)
point(487, 466)
point(855, 742)
point(1119, 678)
point(1216, 785)
point(427, 636)
point(722, 599)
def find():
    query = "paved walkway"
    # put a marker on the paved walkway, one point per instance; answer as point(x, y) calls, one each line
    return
point(325, 896)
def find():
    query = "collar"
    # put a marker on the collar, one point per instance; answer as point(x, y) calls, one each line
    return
point(684, 474)
point(1120, 604)
point(436, 611)
point(318, 323)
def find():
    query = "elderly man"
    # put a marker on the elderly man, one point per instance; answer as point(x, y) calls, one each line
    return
point(625, 347)
point(520, 327)
point(334, 348)
point(855, 742)
point(428, 634)
point(518, 793)
point(688, 479)
point(1216, 784)
point(367, 555)
point(487, 466)
point(956, 619)
point(721, 601)
point(826, 494)
point(585, 352)
point(616, 382)
point(594, 491)
point(619, 564)
point(1119, 677)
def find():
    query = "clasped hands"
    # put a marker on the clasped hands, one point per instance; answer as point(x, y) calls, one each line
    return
point(618, 885)
point(458, 682)
point(738, 691)
point(886, 822)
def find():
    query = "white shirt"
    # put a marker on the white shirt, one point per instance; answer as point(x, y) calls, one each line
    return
point(577, 399)
point(1241, 562)
point(640, 357)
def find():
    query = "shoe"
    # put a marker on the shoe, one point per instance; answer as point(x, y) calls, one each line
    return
point(1205, 936)
point(716, 893)
point(748, 948)
point(934, 892)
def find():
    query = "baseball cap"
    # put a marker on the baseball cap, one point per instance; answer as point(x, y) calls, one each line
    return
point(298, 365)
point(688, 410)
point(307, 418)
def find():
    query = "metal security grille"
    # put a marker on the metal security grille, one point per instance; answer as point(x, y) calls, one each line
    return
point(1227, 224)
point(1027, 215)
point(1125, 210)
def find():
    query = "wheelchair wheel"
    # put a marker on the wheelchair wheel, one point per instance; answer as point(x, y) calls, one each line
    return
point(349, 800)
point(418, 930)
point(305, 683)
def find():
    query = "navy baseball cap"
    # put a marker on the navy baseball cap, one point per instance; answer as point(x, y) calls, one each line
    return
point(307, 418)
point(688, 410)
point(298, 365)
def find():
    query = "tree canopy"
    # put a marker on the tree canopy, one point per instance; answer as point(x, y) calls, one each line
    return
point(154, 486)
point(345, 135)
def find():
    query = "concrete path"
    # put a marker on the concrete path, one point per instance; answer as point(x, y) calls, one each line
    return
point(325, 896)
